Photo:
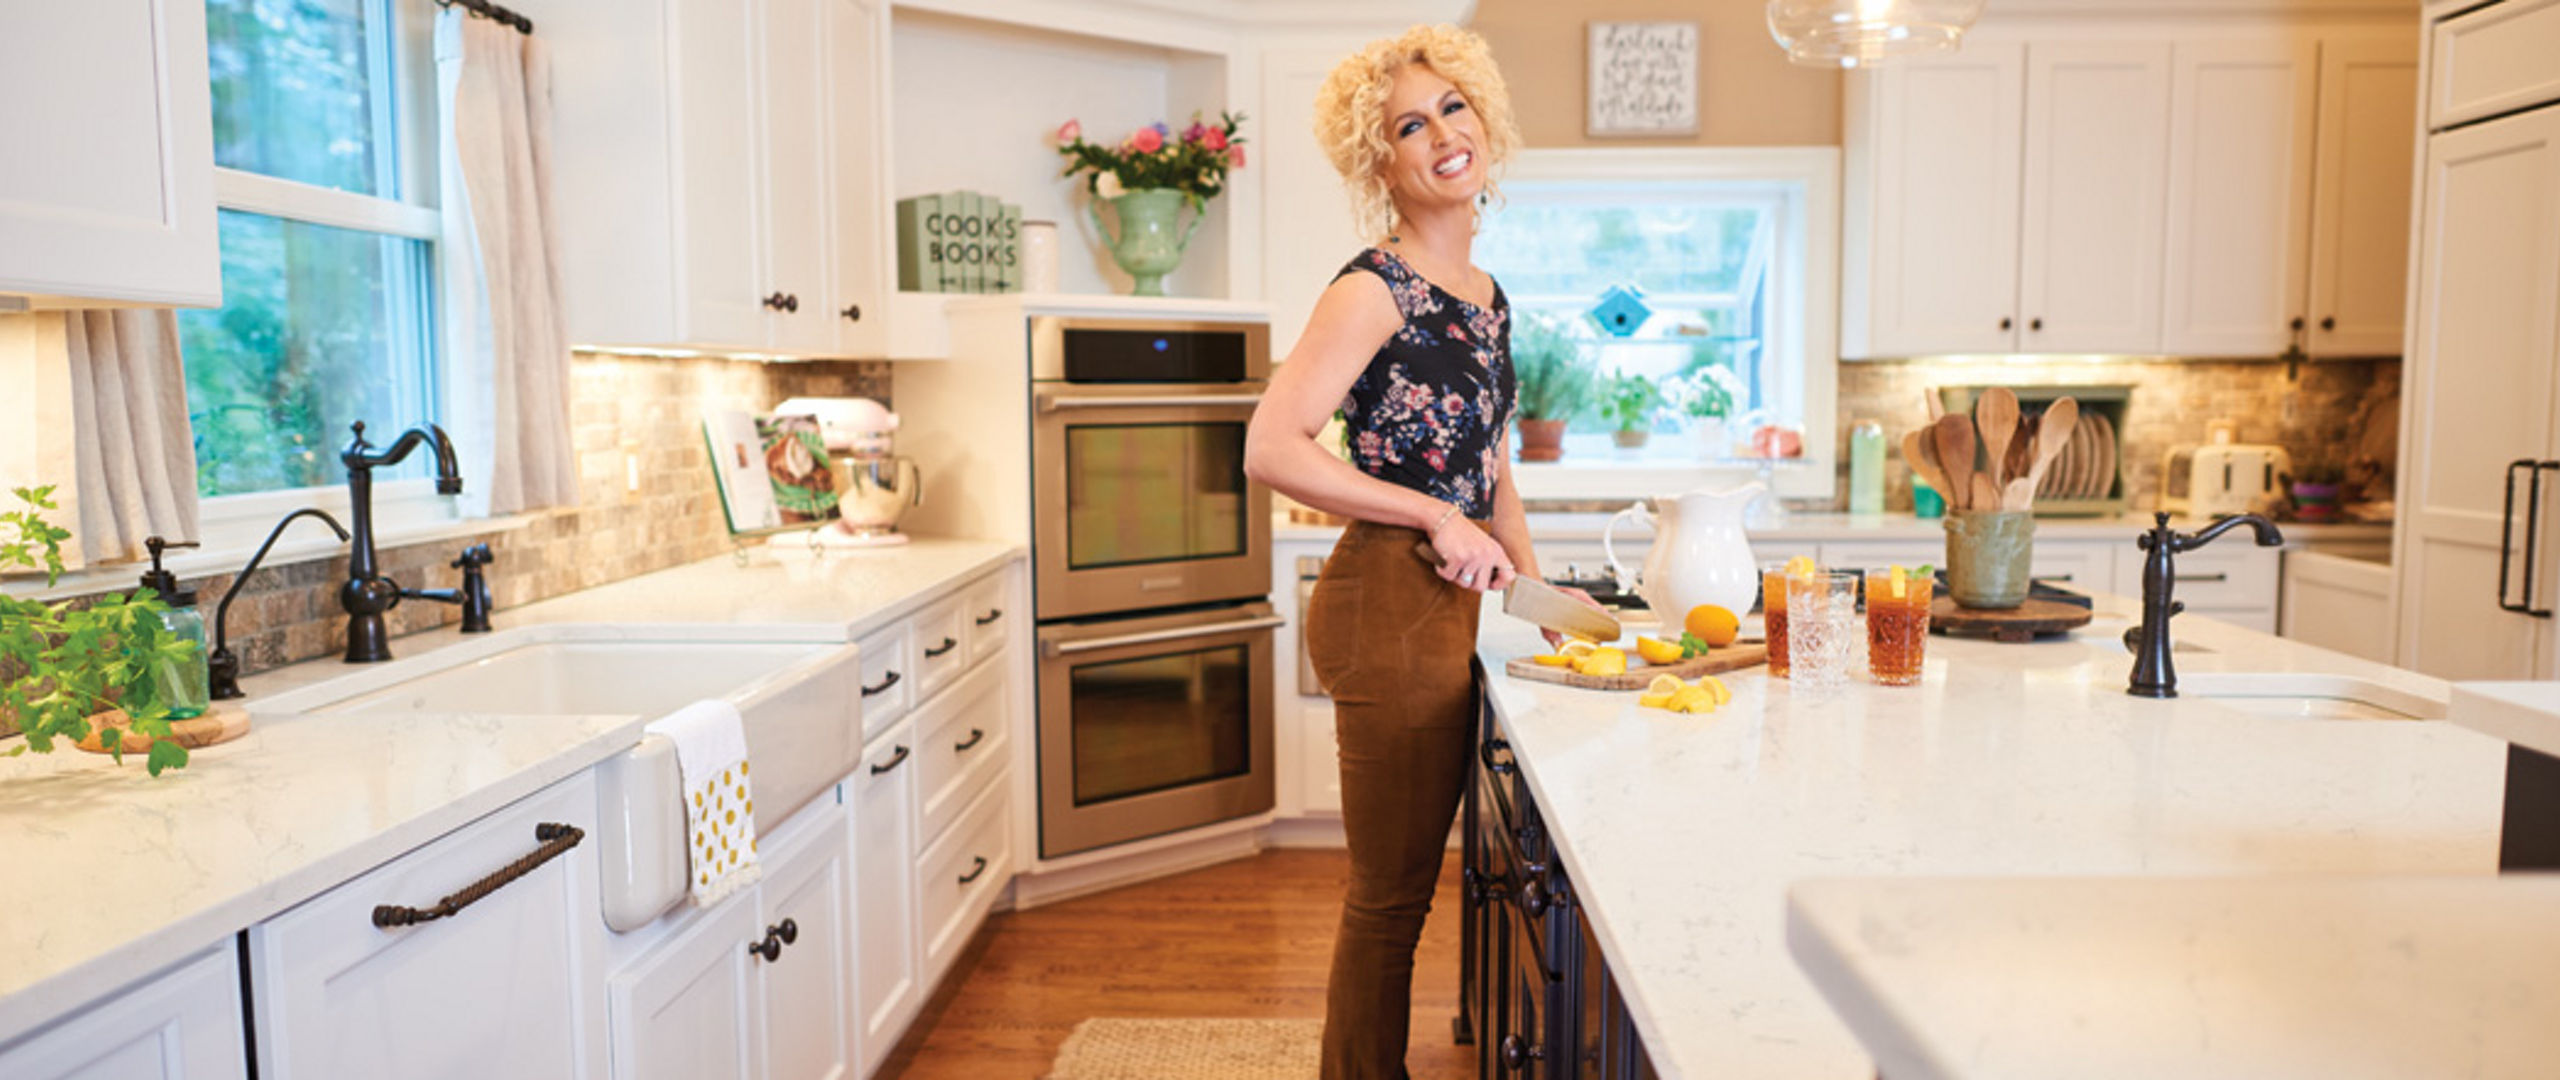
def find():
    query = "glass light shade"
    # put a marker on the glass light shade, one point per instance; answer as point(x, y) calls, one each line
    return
point(1851, 33)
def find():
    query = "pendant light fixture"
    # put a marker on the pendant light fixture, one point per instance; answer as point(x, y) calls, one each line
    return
point(1852, 33)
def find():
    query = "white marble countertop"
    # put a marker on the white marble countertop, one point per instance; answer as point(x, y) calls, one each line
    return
point(2524, 713)
point(2409, 978)
point(1848, 528)
point(1683, 833)
point(108, 875)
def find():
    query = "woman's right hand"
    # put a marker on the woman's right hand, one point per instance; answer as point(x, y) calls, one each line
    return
point(1470, 558)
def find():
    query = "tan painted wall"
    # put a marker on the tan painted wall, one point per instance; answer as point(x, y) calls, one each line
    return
point(1748, 94)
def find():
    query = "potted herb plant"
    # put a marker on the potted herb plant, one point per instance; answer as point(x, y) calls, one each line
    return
point(1706, 396)
point(2315, 488)
point(63, 664)
point(1148, 178)
point(1553, 385)
point(1630, 404)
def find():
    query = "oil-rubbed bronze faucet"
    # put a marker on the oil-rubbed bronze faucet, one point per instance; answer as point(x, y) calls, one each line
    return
point(367, 594)
point(2153, 676)
point(222, 666)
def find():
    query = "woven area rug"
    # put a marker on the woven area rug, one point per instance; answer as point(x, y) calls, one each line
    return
point(1105, 1048)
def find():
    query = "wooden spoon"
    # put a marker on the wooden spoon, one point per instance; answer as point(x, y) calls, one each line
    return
point(2053, 433)
point(1986, 494)
point(1923, 459)
point(1996, 417)
point(1954, 436)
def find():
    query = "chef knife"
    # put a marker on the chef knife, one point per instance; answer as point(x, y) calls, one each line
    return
point(1535, 601)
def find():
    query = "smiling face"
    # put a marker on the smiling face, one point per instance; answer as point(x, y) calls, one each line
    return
point(1438, 144)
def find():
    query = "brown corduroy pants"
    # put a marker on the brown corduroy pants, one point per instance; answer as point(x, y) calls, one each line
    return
point(1393, 645)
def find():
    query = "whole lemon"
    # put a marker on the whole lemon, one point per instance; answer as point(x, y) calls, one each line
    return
point(1713, 625)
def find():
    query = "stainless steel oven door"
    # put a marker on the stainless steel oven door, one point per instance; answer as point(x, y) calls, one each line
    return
point(1140, 501)
point(1154, 724)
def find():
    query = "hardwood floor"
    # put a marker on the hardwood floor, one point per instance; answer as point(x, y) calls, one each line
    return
point(1249, 938)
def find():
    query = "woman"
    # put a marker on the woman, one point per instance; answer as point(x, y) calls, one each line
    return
point(1411, 343)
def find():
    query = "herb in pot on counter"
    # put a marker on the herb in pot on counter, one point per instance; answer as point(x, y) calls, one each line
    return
point(67, 664)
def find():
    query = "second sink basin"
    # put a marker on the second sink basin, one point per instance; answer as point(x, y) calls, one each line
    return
point(2310, 696)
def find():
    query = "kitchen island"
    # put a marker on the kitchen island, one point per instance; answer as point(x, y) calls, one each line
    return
point(1681, 835)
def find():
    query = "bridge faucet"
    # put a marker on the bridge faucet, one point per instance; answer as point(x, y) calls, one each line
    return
point(2153, 676)
point(367, 594)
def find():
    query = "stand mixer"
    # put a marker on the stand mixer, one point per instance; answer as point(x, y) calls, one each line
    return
point(876, 486)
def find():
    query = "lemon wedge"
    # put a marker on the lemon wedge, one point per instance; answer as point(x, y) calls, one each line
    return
point(1800, 567)
point(1576, 649)
point(1716, 686)
point(1664, 684)
point(1553, 660)
point(1893, 581)
point(1655, 701)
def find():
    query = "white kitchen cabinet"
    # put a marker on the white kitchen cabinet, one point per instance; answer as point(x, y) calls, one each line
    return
point(963, 739)
point(508, 985)
point(957, 878)
point(2479, 388)
point(2338, 603)
point(2360, 195)
point(2097, 151)
point(183, 1025)
point(1934, 155)
point(859, 269)
point(880, 801)
point(687, 1010)
point(888, 677)
point(2242, 117)
point(702, 138)
point(808, 990)
point(106, 175)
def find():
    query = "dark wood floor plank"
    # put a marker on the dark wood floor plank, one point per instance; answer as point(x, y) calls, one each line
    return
point(1250, 938)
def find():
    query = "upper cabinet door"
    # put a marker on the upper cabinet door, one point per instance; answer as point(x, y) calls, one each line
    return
point(106, 173)
point(717, 201)
point(858, 264)
point(2240, 153)
point(1944, 231)
point(2097, 153)
point(2360, 212)
point(795, 164)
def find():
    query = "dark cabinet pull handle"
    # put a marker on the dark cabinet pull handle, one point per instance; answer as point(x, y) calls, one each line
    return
point(2207, 578)
point(992, 615)
point(976, 736)
point(2507, 535)
point(2036, 323)
point(977, 868)
point(1534, 899)
point(939, 650)
point(852, 312)
point(776, 301)
point(1492, 747)
point(2297, 324)
point(555, 838)
point(790, 932)
point(886, 682)
point(2533, 537)
point(895, 760)
point(2328, 322)
point(2005, 322)
point(1518, 1052)
point(791, 302)
point(770, 948)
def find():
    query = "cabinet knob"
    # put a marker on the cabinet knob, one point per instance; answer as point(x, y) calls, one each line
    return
point(852, 312)
point(1517, 1052)
point(1533, 898)
point(2328, 322)
point(790, 932)
point(791, 302)
point(776, 302)
point(2297, 324)
point(2005, 323)
point(2036, 323)
point(770, 948)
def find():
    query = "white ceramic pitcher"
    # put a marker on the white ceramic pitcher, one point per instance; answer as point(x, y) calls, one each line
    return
point(1699, 556)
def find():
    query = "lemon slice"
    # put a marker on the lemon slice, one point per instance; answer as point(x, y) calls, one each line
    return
point(1717, 687)
point(1894, 578)
point(1576, 650)
point(1800, 567)
point(1664, 684)
point(1655, 701)
point(1552, 660)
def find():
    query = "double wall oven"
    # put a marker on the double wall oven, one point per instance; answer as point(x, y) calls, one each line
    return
point(1151, 560)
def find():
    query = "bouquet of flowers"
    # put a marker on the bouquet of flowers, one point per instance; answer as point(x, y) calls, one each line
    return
point(1195, 164)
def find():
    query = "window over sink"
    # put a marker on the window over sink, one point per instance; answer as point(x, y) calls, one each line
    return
point(1694, 293)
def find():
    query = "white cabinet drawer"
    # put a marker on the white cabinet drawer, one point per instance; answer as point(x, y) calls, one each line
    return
point(2230, 576)
point(961, 744)
point(989, 623)
point(941, 648)
point(2080, 566)
point(957, 878)
point(184, 1025)
point(502, 987)
point(2498, 59)
point(888, 678)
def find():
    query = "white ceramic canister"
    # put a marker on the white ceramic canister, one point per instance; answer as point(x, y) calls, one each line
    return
point(1040, 256)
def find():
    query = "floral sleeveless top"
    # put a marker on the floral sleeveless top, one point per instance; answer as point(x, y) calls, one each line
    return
point(1429, 411)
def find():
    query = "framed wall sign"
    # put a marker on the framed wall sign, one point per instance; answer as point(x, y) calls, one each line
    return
point(1644, 78)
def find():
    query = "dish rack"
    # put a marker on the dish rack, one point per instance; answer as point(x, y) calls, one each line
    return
point(2087, 480)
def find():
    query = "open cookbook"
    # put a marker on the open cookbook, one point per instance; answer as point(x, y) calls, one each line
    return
point(772, 470)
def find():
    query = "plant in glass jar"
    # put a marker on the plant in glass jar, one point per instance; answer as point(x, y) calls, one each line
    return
point(1706, 396)
point(64, 668)
point(1553, 384)
point(1148, 178)
point(1630, 404)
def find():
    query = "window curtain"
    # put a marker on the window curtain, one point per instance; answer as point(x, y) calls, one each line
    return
point(509, 369)
point(133, 448)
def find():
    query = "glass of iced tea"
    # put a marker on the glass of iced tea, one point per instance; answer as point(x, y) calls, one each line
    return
point(1897, 625)
point(1773, 614)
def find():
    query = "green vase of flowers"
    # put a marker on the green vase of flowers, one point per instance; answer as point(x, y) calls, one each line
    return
point(1150, 243)
point(1148, 178)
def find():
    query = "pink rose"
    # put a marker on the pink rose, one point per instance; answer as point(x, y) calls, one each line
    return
point(1147, 141)
point(1235, 156)
point(1216, 139)
point(1195, 132)
point(1069, 132)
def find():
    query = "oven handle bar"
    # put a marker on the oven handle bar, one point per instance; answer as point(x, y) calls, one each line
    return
point(1070, 648)
point(1056, 402)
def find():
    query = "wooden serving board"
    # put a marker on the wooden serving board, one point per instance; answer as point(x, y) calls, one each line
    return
point(1734, 657)
point(219, 724)
point(2026, 622)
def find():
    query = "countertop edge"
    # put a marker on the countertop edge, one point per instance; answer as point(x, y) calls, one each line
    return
point(2506, 710)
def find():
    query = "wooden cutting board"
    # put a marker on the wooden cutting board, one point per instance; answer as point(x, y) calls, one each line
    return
point(1734, 657)
point(2034, 618)
point(219, 724)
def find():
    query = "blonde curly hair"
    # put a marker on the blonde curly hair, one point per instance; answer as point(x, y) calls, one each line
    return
point(1351, 120)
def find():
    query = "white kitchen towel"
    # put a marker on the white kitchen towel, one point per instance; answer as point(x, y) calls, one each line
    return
point(719, 804)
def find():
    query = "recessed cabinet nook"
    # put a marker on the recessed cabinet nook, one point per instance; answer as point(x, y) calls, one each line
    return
point(2102, 183)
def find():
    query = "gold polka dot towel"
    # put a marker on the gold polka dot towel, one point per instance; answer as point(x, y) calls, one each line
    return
point(719, 803)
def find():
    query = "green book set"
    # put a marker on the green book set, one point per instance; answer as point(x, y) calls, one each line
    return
point(959, 242)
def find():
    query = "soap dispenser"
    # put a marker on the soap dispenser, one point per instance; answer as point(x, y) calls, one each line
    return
point(182, 684)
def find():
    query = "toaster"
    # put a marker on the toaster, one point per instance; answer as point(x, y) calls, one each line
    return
point(2219, 479)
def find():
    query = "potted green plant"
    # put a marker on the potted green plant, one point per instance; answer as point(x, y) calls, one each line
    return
point(1707, 396)
point(2315, 487)
point(1553, 385)
point(1148, 178)
point(1630, 405)
point(64, 663)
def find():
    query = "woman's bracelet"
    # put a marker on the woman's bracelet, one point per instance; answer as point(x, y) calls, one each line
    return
point(1436, 526)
